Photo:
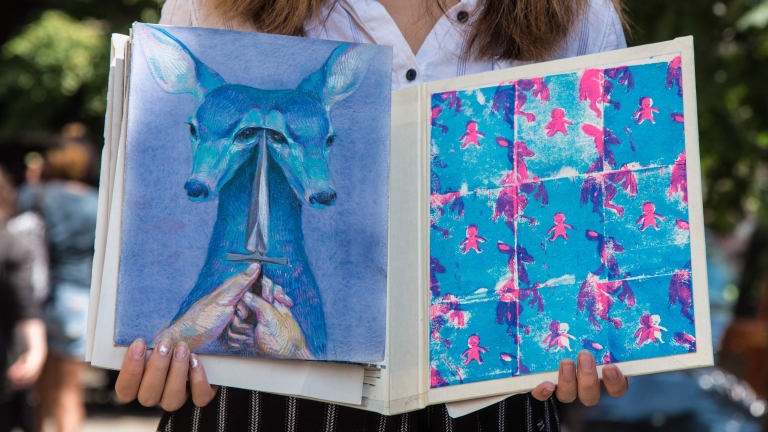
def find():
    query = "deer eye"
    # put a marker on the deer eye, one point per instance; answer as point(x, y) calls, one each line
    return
point(330, 140)
point(276, 137)
point(246, 135)
point(192, 130)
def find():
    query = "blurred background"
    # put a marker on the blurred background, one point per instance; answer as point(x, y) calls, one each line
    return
point(53, 79)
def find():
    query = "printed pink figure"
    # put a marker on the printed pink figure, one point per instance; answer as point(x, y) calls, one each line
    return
point(472, 241)
point(591, 89)
point(470, 136)
point(607, 248)
point(559, 227)
point(603, 138)
point(558, 123)
point(686, 340)
point(649, 330)
point(680, 291)
point(436, 111)
point(474, 350)
point(682, 225)
point(511, 204)
point(520, 100)
point(440, 314)
point(454, 101)
point(456, 315)
point(438, 200)
point(516, 154)
point(623, 178)
point(537, 86)
point(558, 337)
point(648, 217)
point(675, 75)
point(437, 314)
point(436, 378)
point(596, 297)
point(679, 182)
point(624, 77)
point(677, 117)
point(646, 110)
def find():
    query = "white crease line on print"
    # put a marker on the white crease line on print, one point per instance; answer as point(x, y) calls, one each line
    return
point(478, 298)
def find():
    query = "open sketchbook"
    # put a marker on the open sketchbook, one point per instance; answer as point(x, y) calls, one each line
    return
point(454, 249)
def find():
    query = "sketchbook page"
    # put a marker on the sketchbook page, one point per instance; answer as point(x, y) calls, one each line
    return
point(111, 132)
point(333, 382)
point(464, 407)
point(581, 226)
point(403, 374)
point(312, 210)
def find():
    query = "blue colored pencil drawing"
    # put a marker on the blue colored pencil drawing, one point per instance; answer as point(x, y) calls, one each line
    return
point(264, 156)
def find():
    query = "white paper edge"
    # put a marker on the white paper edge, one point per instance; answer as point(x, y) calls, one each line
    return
point(333, 382)
point(703, 356)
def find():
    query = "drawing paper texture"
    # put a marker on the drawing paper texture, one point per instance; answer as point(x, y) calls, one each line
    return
point(559, 221)
point(192, 172)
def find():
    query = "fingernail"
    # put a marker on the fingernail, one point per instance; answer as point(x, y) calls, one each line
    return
point(181, 351)
point(164, 347)
point(194, 360)
point(586, 361)
point(549, 388)
point(610, 374)
point(137, 349)
point(569, 370)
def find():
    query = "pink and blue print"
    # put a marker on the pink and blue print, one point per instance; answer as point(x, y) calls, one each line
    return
point(559, 222)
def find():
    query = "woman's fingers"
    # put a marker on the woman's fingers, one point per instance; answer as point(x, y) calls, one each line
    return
point(586, 377)
point(615, 382)
point(153, 381)
point(202, 392)
point(129, 379)
point(543, 391)
point(566, 381)
point(164, 380)
point(175, 391)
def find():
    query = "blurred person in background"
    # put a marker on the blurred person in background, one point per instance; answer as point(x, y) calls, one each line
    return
point(68, 206)
point(22, 332)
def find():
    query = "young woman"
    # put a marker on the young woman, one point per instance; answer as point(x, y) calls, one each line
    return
point(431, 39)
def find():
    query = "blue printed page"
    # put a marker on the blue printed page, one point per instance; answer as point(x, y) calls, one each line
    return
point(255, 205)
point(559, 221)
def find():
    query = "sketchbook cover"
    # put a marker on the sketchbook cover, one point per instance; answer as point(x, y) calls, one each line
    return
point(201, 206)
point(565, 214)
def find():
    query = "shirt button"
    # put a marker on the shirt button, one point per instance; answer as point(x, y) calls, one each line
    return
point(410, 75)
point(462, 16)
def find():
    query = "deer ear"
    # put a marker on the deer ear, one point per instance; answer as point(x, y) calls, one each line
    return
point(174, 67)
point(341, 74)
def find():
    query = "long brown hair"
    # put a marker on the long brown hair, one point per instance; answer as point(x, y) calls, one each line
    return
point(526, 30)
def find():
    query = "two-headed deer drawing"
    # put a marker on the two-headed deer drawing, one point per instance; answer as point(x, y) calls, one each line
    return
point(229, 127)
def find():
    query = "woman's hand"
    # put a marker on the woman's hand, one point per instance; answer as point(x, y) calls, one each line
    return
point(582, 382)
point(164, 379)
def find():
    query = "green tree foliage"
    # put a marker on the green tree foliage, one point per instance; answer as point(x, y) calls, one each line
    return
point(53, 67)
point(731, 50)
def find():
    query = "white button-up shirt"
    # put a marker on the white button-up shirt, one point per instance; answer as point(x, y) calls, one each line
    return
point(442, 53)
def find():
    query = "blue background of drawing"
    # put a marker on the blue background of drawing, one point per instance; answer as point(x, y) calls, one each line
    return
point(165, 235)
